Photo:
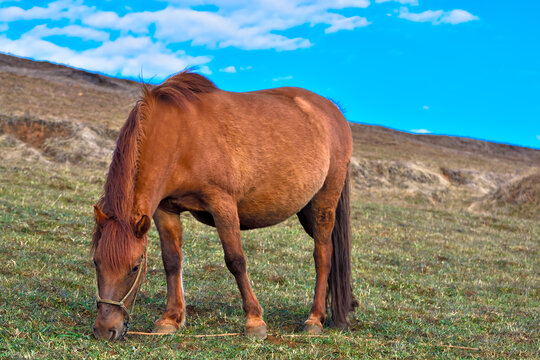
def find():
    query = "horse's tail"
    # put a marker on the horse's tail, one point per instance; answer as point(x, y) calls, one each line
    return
point(342, 300)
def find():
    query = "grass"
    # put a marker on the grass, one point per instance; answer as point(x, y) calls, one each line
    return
point(428, 282)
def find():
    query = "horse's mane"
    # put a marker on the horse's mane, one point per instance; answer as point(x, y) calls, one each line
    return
point(179, 89)
point(117, 202)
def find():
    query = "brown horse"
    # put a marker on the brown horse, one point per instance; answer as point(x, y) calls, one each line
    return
point(235, 161)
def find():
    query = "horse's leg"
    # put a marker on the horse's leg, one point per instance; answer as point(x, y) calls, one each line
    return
point(170, 234)
point(228, 226)
point(317, 218)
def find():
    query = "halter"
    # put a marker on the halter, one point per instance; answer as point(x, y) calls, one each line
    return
point(121, 303)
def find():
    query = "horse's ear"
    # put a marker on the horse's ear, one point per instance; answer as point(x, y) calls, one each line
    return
point(100, 216)
point(142, 226)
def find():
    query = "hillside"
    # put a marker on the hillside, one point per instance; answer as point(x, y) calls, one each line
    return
point(45, 91)
point(53, 114)
point(393, 166)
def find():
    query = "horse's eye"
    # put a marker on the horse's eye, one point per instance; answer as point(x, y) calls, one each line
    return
point(136, 268)
point(95, 263)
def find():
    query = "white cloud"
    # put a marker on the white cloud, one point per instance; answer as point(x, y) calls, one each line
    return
point(425, 107)
point(60, 9)
point(538, 137)
point(282, 78)
point(340, 22)
point(404, 2)
point(340, 4)
point(246, 25)
point(457, 16)
point(137, 22)
point(276, 5)
point(437, 17)
point(250, 26)
point(426, 16)
point(125, 56)
point(84, 33)
point(142, 40)
point(103, 19)
point(420, 131)
point(229, 69)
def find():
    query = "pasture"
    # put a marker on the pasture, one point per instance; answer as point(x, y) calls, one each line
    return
point(432, 283)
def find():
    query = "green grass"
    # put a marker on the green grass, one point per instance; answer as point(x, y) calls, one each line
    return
point(427, 281)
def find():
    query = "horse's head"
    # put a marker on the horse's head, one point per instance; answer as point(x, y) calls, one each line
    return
point(120, 261)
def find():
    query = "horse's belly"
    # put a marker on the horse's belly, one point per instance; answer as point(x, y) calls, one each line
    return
point(262, 219)
point(269, 206)
point(263, 208)
point(247, 221)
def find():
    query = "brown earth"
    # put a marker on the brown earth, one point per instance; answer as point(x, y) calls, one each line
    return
point(45, 91)
point(56, 114)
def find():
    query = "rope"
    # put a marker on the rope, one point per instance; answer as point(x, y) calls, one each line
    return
point(293, 335)
point(182, 335)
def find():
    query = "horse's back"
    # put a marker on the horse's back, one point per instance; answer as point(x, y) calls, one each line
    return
point(322, 113)
point(292, 118)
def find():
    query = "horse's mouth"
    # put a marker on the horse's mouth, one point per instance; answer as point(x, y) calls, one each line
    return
point(112, 334)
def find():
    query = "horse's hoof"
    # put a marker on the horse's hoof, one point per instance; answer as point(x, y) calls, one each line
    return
point(257, 333)
point(165, 329)
point(313, 329)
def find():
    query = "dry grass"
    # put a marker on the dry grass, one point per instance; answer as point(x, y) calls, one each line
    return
point(517, 198)
point(57, 93)
point(59, 141)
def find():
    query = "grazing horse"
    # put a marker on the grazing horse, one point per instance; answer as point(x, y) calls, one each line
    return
point(234, 161)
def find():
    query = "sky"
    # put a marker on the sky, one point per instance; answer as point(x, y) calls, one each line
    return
point(454, 67)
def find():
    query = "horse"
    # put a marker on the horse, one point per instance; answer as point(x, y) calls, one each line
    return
point(235, 161)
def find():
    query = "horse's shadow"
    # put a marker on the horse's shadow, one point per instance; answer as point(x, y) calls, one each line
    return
point(223, 314)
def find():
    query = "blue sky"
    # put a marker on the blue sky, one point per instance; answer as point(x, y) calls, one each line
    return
point(456, 67)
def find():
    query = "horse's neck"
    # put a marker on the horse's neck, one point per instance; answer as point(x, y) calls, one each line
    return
point(158, 155)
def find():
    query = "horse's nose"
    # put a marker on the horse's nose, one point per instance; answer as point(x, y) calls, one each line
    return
point(106, 333)
point(100, 334)
point(109, 323)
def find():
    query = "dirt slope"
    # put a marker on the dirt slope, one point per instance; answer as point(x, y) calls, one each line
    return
point(376, 142)
point(52, 92)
